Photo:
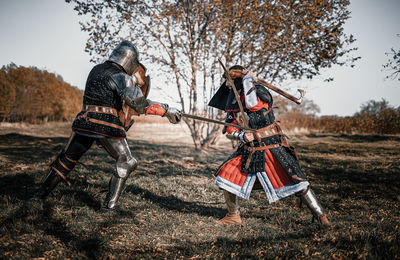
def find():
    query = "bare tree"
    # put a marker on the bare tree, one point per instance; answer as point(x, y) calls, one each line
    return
point(184, 39)
point(393, 64)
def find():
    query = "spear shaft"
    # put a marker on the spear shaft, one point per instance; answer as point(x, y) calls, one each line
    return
point(228, 77)
point(216, 121)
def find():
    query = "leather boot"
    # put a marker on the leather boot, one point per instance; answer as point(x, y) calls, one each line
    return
point(231, 219)
point(233, 215)
point(48, 185)
point(323, 220)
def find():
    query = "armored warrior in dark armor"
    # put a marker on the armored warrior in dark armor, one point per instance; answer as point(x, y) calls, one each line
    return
point(115, 90)
point(264, 158)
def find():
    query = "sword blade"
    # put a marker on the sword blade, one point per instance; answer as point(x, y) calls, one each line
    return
point(216, 121)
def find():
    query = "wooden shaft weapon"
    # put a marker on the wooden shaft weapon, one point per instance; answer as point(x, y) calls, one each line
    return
point(281, 92)
point(242, 73)
point(216, 121)
point(229, 78)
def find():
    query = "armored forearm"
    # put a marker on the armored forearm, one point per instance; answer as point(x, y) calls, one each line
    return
point(134, 98)
point(237, 135)
point(250, 93)
point(156, 108)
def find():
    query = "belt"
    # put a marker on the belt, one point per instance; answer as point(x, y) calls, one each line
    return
point(271, 130)
point(268, 131)
point(252, 150)
point(101, 110)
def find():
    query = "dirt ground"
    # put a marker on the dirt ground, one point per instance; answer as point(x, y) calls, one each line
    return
point(170, 202)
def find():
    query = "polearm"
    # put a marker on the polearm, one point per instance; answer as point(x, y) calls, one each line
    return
point(273, 88)
point(281, 92)
point(229, 78)
point(216, 121)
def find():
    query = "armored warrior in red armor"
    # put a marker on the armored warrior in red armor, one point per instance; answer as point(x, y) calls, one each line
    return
point(115, 90)
point(264, 157)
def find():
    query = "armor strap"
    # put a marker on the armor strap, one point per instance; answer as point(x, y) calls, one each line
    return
point(63, 165)
point(69, 159)
point(268, 131)
point(271, 130)
point(105, 123)
point(101, 110)
point(270, 109)
point(61, 175)
point(252, 150)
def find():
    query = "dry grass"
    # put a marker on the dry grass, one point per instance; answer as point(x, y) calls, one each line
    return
point(170, 203)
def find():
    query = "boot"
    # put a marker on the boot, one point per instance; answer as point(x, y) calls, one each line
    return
point(233, 215)
point(231, 219)
point(308, 197)
point(323, 220)
point(48, 185)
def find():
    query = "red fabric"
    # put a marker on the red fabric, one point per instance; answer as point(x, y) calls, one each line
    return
point(231, 171)
point(276, 174)
point(261, 104)
point(231, 129)
point(155, 109)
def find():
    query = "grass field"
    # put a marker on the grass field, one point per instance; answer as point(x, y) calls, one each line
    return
point(170, 202)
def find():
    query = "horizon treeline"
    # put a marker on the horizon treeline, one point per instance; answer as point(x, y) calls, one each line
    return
point(374, 117)
point(29, 94)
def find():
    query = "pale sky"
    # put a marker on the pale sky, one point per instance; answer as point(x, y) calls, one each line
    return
point(46, 34)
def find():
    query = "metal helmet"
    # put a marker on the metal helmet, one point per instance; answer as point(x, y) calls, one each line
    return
point(127, 55)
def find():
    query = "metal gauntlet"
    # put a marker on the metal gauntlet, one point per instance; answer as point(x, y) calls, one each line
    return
point(173, 114)
point(238, 135)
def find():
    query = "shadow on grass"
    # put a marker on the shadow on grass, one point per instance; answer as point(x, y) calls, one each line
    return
point(173, 203)
point(50, 225)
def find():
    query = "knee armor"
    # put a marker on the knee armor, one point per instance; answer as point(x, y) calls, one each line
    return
point(125, 166)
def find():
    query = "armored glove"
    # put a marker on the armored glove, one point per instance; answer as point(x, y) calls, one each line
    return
point(244, 137)
point(173, 114)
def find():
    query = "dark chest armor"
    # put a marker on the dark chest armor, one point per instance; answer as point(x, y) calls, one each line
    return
point(101, 91)
point(100, 88)
point(261, 118)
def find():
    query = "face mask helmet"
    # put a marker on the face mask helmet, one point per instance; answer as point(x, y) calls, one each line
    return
point(127, 56)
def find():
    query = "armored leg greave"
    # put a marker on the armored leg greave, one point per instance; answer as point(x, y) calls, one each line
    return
point(232, 202)
point(115, 188)
point(125, 164)
point(58, 170)
point(308, 197)
point(77, 145)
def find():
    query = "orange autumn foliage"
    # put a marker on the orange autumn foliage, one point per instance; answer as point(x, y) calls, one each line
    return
point(34, 95)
